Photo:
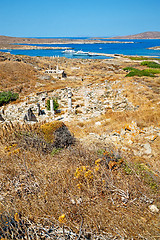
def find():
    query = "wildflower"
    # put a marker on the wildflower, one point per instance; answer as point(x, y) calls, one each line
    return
point(77, 173)
point(79, 185)
point(9, 153)
point(97, 168)
point(88, 174)
point(83, 168)
point(16, 150)
point(97, 161)
point(62, 218)
point(14, 145)
point(16, 217)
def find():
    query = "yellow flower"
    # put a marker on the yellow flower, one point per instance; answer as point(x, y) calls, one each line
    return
point(79, 185)
point(77, 173)
point(97, 161)
point(62, 218)
point(16, 217)
point(97, 168)
point(83, 168)
point(14, 145)
point(88, 174)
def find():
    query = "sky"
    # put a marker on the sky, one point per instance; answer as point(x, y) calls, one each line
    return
point(78, 18)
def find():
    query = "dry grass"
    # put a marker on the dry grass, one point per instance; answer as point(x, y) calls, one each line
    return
point(40, 186)
point(68, 188)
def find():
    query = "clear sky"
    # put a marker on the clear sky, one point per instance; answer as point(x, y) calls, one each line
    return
point(75, 18)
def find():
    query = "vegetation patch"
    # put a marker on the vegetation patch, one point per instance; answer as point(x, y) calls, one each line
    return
point(141, 73)
point(55, 104)
point(143, 58)
point(6, 97)
point(45, 138)
point(150, 64)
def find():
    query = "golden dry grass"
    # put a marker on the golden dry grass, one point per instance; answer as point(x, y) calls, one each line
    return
point(69, 185)
point(71, 182)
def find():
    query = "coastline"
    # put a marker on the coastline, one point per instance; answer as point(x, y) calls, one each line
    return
point(27, 47)
point(155, 48)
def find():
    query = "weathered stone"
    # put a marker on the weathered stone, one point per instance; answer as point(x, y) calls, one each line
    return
point(52, 106)
point(38, 109)
point(1, 118)
point(29, 116)
point(147, 148)
point(69, 99)
point(153, 208)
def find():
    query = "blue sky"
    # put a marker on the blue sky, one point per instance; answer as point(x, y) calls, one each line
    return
point(75, 18)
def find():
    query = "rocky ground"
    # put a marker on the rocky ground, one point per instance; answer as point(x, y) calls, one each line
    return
point(106, 108)
point(99, 89)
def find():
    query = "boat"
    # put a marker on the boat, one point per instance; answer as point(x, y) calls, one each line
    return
point(80, 53)
point(68, 51)
point(92, 54)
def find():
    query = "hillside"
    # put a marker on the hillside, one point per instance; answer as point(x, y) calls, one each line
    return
point(91, 169)
point(144, 35)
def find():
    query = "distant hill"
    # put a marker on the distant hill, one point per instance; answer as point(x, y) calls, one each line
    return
point(144, 35)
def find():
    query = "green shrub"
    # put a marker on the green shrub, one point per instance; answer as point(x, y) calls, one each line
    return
point(141, 73)
point(150, 64)
point(128, 68)
point(55, 104)
point(6, 97)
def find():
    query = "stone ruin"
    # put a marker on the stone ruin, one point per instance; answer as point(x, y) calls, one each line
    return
point(88, 101)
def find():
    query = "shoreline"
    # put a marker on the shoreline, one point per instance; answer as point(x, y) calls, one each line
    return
point(26, 47)
point(155, 48)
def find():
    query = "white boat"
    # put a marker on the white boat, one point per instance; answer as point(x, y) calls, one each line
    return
point(80, 53)
point(68, 51)
point(92, 54)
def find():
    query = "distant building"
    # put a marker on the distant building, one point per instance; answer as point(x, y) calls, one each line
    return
point(57, 73)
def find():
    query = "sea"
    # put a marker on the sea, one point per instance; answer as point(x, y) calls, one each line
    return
point(133, 47)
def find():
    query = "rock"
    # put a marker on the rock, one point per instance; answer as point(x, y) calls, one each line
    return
point(98, 123)
point(152, 137)
point(29, 116)
point(147, 148)
point(153, 208)
point(1, 118)
point(123, 132)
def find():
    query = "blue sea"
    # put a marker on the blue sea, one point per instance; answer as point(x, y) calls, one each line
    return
point(139, 48)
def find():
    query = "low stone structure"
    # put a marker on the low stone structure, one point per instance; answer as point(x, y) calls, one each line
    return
point(30, 116)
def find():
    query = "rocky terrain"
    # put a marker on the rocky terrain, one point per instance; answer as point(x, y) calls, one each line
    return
point(144, 35)
point(11, 42)
point(155, 48)
point(113, 171)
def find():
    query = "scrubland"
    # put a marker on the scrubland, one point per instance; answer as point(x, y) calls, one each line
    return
point(56, 181)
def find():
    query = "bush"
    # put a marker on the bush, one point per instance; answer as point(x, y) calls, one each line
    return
point(141, 73)
point(55, 104)
point(47, 138)
point(128, 68)
point(150, 64)
point(6, 97)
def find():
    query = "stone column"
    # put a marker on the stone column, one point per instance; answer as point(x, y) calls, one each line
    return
point(38, 109)
point(69, 99)
point(86, 101)
point(51, 106)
